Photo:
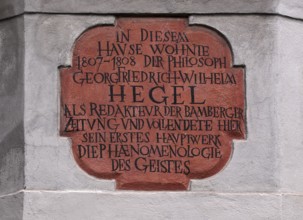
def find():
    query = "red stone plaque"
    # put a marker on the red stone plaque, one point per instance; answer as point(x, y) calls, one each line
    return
point(152, 103)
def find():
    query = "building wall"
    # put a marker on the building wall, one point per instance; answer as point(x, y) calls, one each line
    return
point(11, 118)
point(39, 178)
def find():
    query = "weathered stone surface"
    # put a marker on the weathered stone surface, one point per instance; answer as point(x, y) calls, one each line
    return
point(11, 206)
point(157, 6)
point(253, 166)
point(268, 161)
point(277, 135)
point(54, 168)
point(11, 106)
point(292, 207)
point(289, 104)
point(291, 8)
point(98, 205)
point(194, 72)
point(49, 164)
point(10, 8)
point(41, 115)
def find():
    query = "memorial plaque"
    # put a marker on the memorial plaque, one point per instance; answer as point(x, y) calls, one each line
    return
point(152, 103)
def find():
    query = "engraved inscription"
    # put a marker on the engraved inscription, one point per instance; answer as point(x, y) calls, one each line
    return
point(152, 103)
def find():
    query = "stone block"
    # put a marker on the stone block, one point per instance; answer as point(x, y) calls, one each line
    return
point(292, 207)
point(253, 166)
point(11, 106)
point(49, 43)
point(152, 7)
point(143, 205)
point(11, 206)
point(11, 8)
point(289, 102)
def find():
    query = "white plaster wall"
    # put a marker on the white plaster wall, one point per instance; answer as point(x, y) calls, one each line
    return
point(291, 8)
point(11, 106)
point(11, 8)
point(155, 6)
point(49, 161)
point(144, 205)
point(264, 179)
point(11, 118)
point(11, 206)
point(289, 102)
point(253, 167)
